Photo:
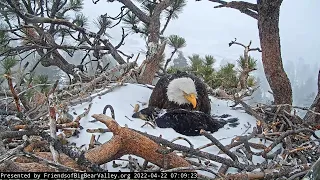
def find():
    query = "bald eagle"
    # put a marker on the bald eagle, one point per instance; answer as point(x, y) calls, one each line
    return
point(180, 91)
point(185, 99)
point(188, 123)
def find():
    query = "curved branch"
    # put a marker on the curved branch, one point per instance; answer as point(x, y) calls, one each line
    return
point(141, 15)
point(122, 39)
point(247, 8)
point(127, 141)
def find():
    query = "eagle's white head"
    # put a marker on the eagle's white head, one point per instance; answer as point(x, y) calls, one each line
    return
point(182, 91)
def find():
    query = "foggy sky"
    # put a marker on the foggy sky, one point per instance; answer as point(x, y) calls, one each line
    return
point(208, 30)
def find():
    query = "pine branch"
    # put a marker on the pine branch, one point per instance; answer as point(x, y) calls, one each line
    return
point(244, 7)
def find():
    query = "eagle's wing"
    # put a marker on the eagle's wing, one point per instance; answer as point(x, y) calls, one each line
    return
point(203, 100)
point(158, 96)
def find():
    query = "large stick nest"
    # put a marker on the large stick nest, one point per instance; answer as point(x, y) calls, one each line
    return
point(26, 145)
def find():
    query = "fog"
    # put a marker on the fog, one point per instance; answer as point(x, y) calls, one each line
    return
point(208, 30)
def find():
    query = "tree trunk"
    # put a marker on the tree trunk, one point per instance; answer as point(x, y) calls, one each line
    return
point(268, 24)
point(147, 75)
point(154, 53)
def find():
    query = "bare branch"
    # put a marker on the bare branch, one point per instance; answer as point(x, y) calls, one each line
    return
point(244, 7)
point(141, 15)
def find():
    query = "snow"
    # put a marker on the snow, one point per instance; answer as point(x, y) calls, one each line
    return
point(123, 99)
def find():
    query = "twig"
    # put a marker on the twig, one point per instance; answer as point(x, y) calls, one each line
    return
point(199, 153)
point(69, 151)
point(128, 118)
point(219, 145)
point(10, 153)
point(298, 175)
point(111, 109)
point(61, 167)
point(86, 112)
point(179, 138)
point(13, 92)
point(149, 123)
point(90, 98)
point(285, 134)
point(296, 107)
point(53, 123)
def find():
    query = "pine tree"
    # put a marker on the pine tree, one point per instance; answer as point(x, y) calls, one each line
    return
point(180, 62)
point(226, 77)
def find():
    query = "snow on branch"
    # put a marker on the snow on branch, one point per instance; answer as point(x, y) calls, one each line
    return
point(245, 7)
point(126, 141)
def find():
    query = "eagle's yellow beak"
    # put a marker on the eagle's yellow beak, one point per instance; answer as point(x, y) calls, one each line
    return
point(191, 98)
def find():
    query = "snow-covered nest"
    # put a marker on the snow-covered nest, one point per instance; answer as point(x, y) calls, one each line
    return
point(125, 97)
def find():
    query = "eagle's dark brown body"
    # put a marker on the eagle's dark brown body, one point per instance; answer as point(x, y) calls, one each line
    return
point(160, 100)
point(189, 123)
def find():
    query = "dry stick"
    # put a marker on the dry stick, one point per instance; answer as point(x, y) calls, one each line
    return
point(131, 164)
point(90, 98)
point(33, 145)
point(99, 130)
point(128, 118)
point(219, 145)
point(282, 126)
point(84, 87)
point(12, 152)
point(241, 139)
point(287, 121)
point(5, 93)
point(285, 134)
point(289, 105)
point(302, 157)
point(250, 111)
point(69, 151)
point(16, 134)
point(144, 165)
point(92, 141)
point(276, 114)
point(72, 124)
point(182, 138)
point(267, 174)
point(199, 153)
point(205, 146)
point(288, 143)
point(14, 94)
point(111, 110)
point(240, 152)
point(148, 123)
point(86, 112)
point(298, 175)
point(194, 163)
point(247, 151)
point(300, 149)
point(223, 169)
point(248, 126)
point(53, 123)
point(57, 145)
point(61, 167)
point(315, 170)
point(10, 166)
